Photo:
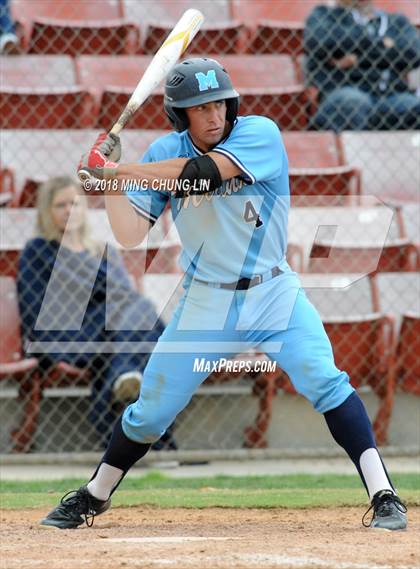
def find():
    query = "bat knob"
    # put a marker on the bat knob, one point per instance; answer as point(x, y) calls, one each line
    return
point(83, 175)
point(88, 182)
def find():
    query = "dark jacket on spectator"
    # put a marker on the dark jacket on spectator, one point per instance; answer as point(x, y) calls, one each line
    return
point(331, 33)
point(74, 308)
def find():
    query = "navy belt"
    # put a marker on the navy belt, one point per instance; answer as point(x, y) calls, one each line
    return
point(244, 284)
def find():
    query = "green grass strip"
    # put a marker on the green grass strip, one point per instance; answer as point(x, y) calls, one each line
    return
point(159, 490)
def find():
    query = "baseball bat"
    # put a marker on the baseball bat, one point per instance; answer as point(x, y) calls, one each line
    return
point(165, 58)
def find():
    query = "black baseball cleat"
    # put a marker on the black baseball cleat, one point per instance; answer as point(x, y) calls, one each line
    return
point(75, 508)
point(388, 512)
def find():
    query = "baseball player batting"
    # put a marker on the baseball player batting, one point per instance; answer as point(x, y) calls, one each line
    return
point(225, 178)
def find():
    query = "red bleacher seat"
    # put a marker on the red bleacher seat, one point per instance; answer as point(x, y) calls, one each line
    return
point(42, 92)
point(276, 37)
point(393, 256)
point(218, 34)
point(407, 365)
point(17, 228)
point(272, 89)
point(14, 366)
point(34, 155)
point(50, 37)
point(276, 26)
point(363, 346)
point(317, 167)
point(251, 11)
point(112, 81)
point(28, 10)
point(341, 294)
point(25, 370)
point(27, 197)
point(364, 224)
point(313, 149)
point(172, 10)
point(9, 258)
point(89, 27)
point(220, 38)
point(361, 337)
point(410, 8)
point(7, 186)
point(380, 156)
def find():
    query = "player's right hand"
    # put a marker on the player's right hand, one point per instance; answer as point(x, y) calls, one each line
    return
point(111, 147)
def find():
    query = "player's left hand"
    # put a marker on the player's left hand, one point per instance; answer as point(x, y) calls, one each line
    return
point(95, 163)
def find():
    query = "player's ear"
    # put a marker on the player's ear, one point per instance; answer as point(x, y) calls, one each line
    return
point(177, 117)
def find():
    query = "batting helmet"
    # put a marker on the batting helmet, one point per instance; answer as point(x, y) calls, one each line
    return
point(194, 82)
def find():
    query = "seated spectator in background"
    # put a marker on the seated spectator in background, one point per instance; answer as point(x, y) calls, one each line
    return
point(359, 57)
point(69, 291)
point(9, 42)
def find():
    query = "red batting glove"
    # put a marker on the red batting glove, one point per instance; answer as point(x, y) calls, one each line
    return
point(95, 164)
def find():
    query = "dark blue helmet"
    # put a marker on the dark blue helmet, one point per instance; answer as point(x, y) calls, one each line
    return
point(194, 82)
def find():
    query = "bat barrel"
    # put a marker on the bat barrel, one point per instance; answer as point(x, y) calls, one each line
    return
point(165, 58)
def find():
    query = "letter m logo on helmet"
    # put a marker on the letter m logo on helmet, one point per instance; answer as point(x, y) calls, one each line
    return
point(197, 81)
point(207, 80)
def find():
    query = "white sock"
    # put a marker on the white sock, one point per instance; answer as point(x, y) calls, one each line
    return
point(105, 480)
point(373, 472)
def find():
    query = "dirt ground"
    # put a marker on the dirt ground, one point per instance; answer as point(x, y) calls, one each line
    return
point(210, 539)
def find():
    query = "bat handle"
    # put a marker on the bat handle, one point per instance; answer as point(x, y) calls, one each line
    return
point(116, 129)
point(126, 115)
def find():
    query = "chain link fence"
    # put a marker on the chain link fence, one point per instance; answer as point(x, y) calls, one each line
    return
point(340, 84)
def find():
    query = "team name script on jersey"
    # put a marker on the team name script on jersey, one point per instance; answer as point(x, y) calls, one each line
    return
point(228, 188)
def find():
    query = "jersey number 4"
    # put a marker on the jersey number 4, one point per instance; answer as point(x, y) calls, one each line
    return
point(250, 215)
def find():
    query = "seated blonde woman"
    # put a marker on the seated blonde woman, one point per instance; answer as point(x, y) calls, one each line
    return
point(79, 302)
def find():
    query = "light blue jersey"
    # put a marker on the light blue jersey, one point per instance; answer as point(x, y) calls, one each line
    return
point(240, 230)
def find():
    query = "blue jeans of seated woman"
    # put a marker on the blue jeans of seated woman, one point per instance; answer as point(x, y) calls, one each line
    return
point(105, 368)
